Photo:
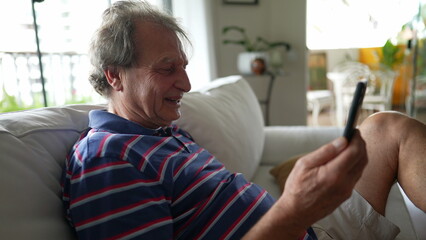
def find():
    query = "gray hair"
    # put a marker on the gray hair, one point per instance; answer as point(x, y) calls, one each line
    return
point(112, 44)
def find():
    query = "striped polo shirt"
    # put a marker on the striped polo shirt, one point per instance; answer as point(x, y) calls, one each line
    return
point(124, 181)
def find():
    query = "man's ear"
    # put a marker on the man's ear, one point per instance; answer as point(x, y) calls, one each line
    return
point(114, 78)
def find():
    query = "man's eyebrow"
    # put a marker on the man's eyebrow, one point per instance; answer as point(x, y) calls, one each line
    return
point(172, 59)
point(167, 58)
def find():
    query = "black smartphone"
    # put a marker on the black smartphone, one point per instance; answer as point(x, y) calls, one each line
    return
point(354, 110)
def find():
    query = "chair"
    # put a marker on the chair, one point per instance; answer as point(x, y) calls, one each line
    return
point(344, 77)
point(379, 98)
point(317, 101)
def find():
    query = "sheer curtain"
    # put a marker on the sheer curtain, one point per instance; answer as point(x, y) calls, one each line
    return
point(196, 18)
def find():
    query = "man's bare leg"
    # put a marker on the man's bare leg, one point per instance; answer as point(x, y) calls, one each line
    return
point(396, 148)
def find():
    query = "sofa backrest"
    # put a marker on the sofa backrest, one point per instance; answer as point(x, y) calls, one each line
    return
point(33, 146)
point(224, 117)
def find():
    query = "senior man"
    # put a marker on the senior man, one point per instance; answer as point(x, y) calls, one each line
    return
point(133, 175)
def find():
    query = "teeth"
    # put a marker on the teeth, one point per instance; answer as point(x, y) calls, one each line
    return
point(173, 100)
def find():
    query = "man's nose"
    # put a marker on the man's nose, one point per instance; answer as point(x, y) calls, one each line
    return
point(183, 82)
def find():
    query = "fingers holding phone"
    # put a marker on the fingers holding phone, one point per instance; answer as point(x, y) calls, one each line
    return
point(355, 109)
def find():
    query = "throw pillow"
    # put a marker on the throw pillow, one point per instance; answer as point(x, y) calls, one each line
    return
point(225, 118)
point(281, 171)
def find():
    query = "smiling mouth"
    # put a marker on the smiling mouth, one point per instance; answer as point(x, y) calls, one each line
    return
point(172, 100)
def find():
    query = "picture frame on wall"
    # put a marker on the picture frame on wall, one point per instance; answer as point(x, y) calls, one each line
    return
point(241, 2)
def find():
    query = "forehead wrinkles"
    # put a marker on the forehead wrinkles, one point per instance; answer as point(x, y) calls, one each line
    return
point(151, 51)
point(176, 52)
point(172, 58)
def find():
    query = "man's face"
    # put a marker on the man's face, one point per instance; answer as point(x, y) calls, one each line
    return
point(152, 89)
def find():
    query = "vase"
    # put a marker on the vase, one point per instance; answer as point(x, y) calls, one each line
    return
point(253, 62)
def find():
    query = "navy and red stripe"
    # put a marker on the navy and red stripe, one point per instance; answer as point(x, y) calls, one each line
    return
point(125, 181)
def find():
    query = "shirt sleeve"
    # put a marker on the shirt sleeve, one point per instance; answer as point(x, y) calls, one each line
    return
point(114, 200)
point(308, 235)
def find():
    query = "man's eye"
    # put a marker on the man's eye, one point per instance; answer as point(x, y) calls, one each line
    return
point(166, 70)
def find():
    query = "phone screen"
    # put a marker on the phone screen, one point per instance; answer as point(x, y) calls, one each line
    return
point(355, 109)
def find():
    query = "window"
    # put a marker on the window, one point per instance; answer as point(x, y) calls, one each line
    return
point(334, 24)
point(65, 28)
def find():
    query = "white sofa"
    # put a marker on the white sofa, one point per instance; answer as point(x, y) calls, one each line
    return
point(225, 118)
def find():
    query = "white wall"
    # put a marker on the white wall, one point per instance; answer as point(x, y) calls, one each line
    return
point(194, 16)
point(276, 20)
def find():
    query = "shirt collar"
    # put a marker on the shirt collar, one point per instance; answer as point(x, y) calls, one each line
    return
point(102, 119)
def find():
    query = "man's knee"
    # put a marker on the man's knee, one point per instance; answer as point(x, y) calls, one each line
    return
point(389, 123)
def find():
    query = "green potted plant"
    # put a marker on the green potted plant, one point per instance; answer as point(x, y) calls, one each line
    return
point(257, 50)
point(391, 55)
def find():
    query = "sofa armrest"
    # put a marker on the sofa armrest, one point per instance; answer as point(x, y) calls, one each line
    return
point(283, 142)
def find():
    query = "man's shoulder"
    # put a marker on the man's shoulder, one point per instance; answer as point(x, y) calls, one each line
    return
point(98, 143)
point(103, 144)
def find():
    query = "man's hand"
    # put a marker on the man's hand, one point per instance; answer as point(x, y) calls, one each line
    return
point(319, 183)
point(323, 179)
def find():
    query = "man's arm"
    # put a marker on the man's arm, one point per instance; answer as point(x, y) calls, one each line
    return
point(319, 183)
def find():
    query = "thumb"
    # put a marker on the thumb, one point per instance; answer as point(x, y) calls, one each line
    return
point(326, 153)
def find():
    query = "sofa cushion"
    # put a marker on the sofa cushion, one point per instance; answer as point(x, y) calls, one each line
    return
point(226, 119)
point(33, 146)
